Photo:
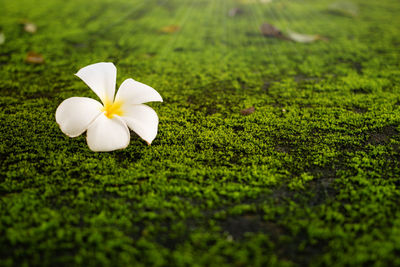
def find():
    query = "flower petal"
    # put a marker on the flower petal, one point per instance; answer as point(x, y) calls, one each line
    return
point(143, 120)
point(75, 114)
point(134, 92)
point(106, 134)
point(101, 78)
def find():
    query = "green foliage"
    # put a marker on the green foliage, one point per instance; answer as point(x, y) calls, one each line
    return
point(310, 178)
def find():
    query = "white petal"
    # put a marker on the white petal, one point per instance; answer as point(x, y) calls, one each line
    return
point(106, 134)
point(143, 120)
point(75, 114)
point(101, 78)
point(134, 92)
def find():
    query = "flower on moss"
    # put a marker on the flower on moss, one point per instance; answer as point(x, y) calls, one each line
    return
point(107, 124)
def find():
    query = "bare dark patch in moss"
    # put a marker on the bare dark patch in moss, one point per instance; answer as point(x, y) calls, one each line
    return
point(283, 148)
point(127, 158)
point(215, 98)
point(237, 227)
point(5, 57)
point(360, 110)
point(382, 136)
point(323, 190)
point(358, 67)
point(362, 90)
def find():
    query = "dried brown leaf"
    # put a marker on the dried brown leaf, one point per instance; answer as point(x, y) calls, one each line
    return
point(170, 29)
point(270, 30)
point(34, 58)
point(247, 111)
point(235, 12)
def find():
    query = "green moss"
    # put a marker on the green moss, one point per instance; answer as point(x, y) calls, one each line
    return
point(310, 178)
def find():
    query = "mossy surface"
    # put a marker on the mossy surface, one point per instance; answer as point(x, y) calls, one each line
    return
point(312, 177)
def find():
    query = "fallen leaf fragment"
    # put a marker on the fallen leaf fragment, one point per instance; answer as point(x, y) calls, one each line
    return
point(30, 27)
point(2, 38)
point(235, 12)
point(270, 30)
point(344, 8)
point(247, 111)
point(170, 29)
point(304, 38)
point(34, 58)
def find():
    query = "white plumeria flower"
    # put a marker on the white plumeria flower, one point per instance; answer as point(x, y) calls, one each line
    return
point(107, 124)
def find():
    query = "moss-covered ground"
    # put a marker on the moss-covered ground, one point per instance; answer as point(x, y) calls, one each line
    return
point(312, 177)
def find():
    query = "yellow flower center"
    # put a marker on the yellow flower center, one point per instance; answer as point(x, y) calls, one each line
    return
point(112, 108)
